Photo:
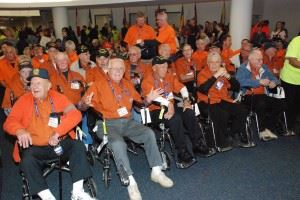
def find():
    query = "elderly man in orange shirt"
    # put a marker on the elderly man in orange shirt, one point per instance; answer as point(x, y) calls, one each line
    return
point(139, 32)
point(187, 68)
point(36, 122)
point(19, 86)
point(66, 81)
point(166, 34)
point(39, 56)
point(136, 70)
point(113, 98)
point(8, 65)
point(214, 83)
point(179, 120)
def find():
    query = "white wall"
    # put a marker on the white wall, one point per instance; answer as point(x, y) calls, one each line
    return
point(283, 10)
point(273, 10)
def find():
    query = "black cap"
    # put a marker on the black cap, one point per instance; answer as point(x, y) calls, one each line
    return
point(159, 60)
point(102, 52)
point(42, 73)
point(82, 49)
point(51, 45)
point(25, 64)
point(269, 45)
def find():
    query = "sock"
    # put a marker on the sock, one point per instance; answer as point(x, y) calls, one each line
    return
point(46, 194)
point(131, 180)
point(78, 186)
point(156, 170)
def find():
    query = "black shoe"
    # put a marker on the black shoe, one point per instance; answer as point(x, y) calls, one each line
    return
point(203, 151)
point(184, 159)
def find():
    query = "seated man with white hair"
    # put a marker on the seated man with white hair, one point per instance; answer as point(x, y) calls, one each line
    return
point(113, 98)
point(256, 79)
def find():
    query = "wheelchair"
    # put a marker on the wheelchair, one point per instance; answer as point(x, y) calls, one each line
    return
point(100, 151)
point(61, 166)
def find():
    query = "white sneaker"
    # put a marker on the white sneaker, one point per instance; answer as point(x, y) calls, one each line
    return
point(81, 195)
point(133, 192)
point(271, 134)
point(162, 179)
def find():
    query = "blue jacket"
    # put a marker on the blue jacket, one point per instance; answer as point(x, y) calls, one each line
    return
point(246, 80)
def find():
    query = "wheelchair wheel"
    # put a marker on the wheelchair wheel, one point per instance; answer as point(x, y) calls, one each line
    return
point(91, 187)
point(90, 157)
point(106, 178)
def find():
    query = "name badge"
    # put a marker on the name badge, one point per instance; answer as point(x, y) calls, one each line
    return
point(122, 111)
point(42, 61)
point(75, 86)
point(53, 121)
point(219, 85)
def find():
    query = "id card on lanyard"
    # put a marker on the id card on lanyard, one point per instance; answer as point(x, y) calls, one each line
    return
point(54, 118)
point(122, 111)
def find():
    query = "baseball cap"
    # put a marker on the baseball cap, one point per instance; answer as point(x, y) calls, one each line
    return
point(159, 60)
point(25, 64)
point(102, 52)
point(42, 73)
point(82, 49)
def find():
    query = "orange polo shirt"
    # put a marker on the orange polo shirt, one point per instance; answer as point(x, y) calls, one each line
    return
point(38, 62)
point(136, 33)
point(184, 67)
point(69, 86)
point(73, 57)
point(167, 35)
point(108, 103)
point(216, 94)
point(169, 84)
point(200, 57)
point(7, 70)
point(24, 116)
point(141, 69)
point(16, 88)
point(95, 74)
point(226, 55)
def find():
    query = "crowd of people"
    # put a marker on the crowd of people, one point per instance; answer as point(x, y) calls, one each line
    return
point(51, 86)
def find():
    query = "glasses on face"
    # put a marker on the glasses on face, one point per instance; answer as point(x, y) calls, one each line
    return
point(117, 69)
point(132, 54)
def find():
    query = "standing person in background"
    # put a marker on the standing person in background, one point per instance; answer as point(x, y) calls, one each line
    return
point(139, 32)
point(290, 80)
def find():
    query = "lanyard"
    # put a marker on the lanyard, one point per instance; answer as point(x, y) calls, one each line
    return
point(166, 86)
point(37, 112)
point(120, 96)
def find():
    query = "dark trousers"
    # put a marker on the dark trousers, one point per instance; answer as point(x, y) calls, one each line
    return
point(268, 110)
point(175, 124)
point(220, 113)
point(292, 94)
point(34, 157)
